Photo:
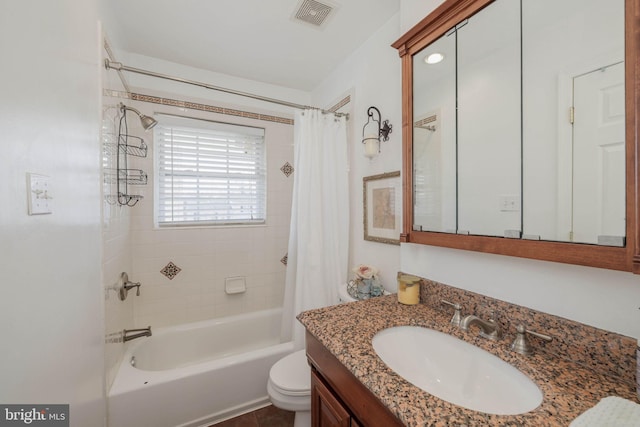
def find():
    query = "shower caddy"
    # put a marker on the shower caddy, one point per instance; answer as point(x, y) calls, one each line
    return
point(126, 146)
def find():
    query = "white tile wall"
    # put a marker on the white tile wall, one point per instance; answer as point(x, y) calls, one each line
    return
point(116, 241)
point(208, 255)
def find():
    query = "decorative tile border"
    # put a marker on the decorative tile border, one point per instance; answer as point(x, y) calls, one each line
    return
point(209, 108)
point(600, 350)
point(171, 270)
point(196, 106)
point(344, 101)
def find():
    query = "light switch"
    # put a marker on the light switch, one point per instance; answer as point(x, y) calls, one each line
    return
point(39, 197)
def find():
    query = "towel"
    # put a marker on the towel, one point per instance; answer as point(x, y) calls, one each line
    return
point(611, 411)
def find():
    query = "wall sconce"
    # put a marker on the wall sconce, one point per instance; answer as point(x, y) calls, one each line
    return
point(372, 133)
point(146, 121)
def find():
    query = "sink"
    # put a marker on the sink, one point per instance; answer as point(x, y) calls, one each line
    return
point(456, 371)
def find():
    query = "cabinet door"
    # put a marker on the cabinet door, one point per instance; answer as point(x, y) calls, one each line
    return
point(326, 409)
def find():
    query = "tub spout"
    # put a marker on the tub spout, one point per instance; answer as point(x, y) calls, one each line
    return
point(135, 333)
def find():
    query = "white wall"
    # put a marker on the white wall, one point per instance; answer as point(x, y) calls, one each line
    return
point(51, 301)
point(598, 297)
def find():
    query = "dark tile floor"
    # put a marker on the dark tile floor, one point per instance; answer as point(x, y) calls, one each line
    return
point(269, 416)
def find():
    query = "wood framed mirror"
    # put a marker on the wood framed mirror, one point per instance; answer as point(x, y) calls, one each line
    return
point(623, 254)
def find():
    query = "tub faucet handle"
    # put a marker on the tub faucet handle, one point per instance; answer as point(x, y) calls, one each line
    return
point(124, 285)
point(457, 316)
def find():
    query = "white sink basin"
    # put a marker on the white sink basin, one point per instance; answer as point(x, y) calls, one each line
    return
point(456, 371)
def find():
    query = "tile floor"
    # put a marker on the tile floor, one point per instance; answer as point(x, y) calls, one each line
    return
point(269, 416)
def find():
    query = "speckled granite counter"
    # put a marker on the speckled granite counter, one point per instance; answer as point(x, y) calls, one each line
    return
point(347, 330)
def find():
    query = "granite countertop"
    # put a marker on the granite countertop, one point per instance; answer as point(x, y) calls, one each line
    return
point(346, 330)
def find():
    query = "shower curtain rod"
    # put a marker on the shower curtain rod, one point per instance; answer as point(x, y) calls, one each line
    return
point(118, 66)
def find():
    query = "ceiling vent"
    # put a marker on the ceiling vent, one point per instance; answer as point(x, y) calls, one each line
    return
point(313, 12)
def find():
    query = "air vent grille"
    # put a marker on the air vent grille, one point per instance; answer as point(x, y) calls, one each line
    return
point(313, 12)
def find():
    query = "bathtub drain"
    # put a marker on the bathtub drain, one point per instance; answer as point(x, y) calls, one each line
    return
point(133, 361)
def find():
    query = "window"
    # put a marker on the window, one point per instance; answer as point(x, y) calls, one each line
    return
point(209, 173)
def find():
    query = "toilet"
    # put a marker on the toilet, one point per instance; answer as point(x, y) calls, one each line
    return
point(289, 385)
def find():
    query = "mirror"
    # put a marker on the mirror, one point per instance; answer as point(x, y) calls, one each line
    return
point(434, 137)
point(491, 152)
point(573, 65)
point(488, 63)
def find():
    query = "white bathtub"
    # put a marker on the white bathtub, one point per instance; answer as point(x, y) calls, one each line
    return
point(199, 373)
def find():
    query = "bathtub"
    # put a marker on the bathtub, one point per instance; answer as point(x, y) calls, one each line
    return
point(198, 373)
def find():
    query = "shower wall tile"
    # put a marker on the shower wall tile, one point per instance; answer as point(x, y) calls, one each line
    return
point(116, 243)
point(207, 256)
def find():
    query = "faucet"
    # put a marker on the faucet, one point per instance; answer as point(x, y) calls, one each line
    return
point(490, 328)
point(457, 317)
point(145, 332)
point(521, 344)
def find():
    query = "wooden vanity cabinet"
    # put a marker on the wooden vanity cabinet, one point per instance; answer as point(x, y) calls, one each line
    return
point(326, 409)
point(338, 399)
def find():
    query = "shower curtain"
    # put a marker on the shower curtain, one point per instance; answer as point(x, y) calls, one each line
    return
point(319, 231)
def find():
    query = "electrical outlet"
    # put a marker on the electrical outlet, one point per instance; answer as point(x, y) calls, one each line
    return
point(509, 203)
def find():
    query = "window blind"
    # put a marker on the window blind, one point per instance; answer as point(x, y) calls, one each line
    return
point(209, 173)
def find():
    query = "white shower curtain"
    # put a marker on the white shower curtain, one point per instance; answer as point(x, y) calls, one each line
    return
point(319, 231)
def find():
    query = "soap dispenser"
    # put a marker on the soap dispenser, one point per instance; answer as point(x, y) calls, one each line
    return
point(408, 289)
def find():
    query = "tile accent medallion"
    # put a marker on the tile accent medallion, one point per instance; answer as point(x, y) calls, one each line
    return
point(287, 169)
point(171, 270)
point(285, 258)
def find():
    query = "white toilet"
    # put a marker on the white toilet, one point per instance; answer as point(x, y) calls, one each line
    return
point(289, 385)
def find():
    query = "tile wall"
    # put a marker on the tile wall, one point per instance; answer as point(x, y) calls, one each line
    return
point(116, 247)
point(183, 270)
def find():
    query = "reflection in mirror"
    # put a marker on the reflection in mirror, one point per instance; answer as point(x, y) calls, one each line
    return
point(434, 136)
point(574, 170)
point(489, 125)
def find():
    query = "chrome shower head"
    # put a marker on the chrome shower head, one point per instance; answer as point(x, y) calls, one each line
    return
point(146, 121)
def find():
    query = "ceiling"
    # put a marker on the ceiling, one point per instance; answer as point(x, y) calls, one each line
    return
point(252, 39)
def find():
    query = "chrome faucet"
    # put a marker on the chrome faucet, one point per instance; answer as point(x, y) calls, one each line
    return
point(490, 328)
point(145, 332)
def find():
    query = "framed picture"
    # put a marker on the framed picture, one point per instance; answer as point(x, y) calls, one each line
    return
point(382, 207)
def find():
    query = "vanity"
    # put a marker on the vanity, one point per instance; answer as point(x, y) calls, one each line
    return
point(352, 386)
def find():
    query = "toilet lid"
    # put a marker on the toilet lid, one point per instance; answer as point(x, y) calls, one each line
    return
point(292, 374)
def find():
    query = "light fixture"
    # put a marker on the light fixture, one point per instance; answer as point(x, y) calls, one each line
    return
point(372, 133)
point(434, 58)
point(146, 121)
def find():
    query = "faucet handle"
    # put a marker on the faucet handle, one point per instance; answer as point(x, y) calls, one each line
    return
point(457, 316)
point(521, 344)
point(124, 285)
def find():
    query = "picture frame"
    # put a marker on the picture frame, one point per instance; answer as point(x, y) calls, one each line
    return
point(382, 204)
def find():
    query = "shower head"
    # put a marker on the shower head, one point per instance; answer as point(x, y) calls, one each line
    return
point(146, 121)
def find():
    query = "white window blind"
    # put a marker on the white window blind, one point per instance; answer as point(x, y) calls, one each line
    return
point(209, 173)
